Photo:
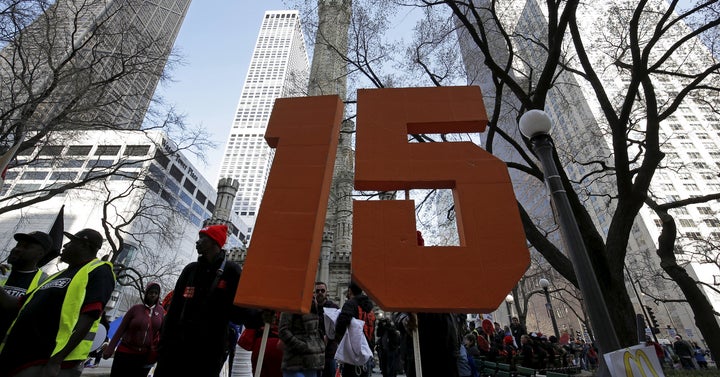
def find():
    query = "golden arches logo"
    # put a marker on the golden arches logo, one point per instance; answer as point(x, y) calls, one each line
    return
point(638, 358)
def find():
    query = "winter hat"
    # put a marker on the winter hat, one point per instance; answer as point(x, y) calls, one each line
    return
point(508, 339)
point(153, 284)
point(217, 232)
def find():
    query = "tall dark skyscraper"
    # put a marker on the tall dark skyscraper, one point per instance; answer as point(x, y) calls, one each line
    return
point(85, 64)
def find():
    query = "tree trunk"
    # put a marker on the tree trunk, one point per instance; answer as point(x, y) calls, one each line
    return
point(621, 310)
point(704, 313)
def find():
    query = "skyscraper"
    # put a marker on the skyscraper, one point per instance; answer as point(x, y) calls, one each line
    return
point(689, 139)
point(279, 67)
point(85, 64)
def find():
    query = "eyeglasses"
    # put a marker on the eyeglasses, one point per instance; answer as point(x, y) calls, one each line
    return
point(319, 291)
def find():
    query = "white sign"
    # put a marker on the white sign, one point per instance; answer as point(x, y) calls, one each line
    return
point(689, 333)
point(636, 361)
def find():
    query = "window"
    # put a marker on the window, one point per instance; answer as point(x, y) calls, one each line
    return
point(714, 223)
point(161, 159)
point(186, 198)
point(151, 184)
point(101, 164)
point(78, 150)
point(172, 186)
point(200, 197)
point(51, 150)
point(168, 197)
point(690, 187)
point(137, 150)
point(26, 152)
point(176, 173)
point(687, 223)
point(693, 235)
point(705, 210)
point(189, 186)
point(63, 175)
point(34, 175)
point(107, 150)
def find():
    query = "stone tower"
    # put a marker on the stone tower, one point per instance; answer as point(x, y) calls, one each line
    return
point(328, 74)
point(226, 190)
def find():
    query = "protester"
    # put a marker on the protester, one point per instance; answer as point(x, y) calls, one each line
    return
point(388, 347)
point(356, 302)
point(193, 340)
point(25, 274)
point(685, 352)
point(526, 352)
point(470, 342)
point(251, 340)
point(700, 356)
point(659, 352)
point(304, 349)
point(331, 345)
point(138, 336)
point(517, 329)
point(439, 343)
point(54, 328)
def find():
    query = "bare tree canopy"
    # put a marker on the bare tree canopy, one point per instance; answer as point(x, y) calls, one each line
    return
point(626, 83)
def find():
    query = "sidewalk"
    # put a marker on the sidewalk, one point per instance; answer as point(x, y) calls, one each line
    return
point(104, 370)
point(101, 370)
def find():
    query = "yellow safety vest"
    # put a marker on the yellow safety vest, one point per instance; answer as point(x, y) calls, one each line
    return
point(33, 284)
point(70, 312)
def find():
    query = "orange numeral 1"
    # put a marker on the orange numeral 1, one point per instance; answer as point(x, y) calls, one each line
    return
point(282, 261)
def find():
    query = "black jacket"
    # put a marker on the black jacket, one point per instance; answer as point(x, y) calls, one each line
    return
point(194, 335)
point(350, 311)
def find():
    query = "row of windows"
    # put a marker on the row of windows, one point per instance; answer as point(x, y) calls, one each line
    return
point(84, 150)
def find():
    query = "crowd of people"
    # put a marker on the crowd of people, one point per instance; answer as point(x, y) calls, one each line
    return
point(50, 323)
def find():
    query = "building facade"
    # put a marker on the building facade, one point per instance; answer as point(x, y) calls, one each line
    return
point(86, 64)
point(690, 140)
point(145, 188)
point(279, 67)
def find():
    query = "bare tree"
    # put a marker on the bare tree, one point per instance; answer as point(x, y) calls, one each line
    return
point(539, 55)
point(77, 65)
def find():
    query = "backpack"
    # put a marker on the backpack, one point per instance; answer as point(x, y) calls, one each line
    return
point(369, 327)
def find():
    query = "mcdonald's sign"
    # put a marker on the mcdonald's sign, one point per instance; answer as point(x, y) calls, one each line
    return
point(637, 361)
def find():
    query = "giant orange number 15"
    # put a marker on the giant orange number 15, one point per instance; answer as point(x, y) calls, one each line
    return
point(387, 261)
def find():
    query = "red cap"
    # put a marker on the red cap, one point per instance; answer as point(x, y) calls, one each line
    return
point(508, 339)
point(217, 232)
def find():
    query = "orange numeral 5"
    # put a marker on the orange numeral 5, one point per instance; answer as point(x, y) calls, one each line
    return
point(387, 261)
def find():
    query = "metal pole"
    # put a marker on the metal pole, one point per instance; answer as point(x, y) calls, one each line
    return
point(642, 307)
point(551, 313)
point(599, 316)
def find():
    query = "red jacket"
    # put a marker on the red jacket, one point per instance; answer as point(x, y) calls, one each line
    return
point(139, 331)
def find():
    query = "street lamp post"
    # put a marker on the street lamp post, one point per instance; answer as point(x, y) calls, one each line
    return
point(544, 284)
point(508, 302)
point(536, 125)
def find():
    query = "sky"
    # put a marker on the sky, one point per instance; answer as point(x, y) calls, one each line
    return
point(215, 41)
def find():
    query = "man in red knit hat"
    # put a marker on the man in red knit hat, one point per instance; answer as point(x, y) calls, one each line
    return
point(194, 337)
